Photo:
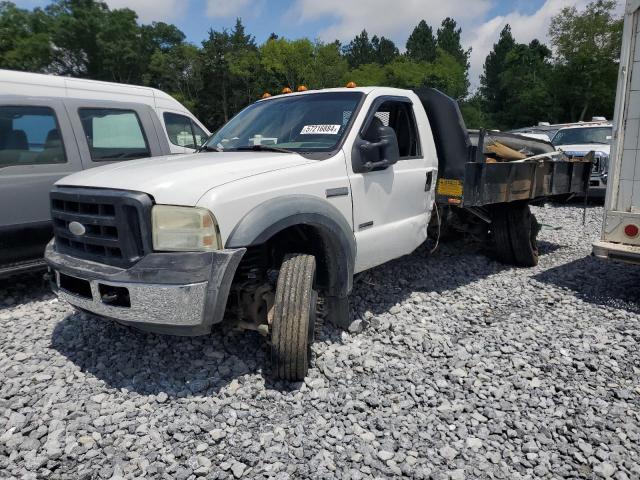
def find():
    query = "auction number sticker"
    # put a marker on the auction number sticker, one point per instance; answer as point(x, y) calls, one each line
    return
point(320, 130)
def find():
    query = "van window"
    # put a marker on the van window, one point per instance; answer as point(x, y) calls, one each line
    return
point(113, 134)
point(182, 131)
point(29, 136)
point(200, 134)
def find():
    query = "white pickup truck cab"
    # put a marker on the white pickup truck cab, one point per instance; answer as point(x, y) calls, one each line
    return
point(579, 140)
point(292, 197)
point(331, 182)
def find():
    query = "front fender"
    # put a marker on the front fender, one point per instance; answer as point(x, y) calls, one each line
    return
point(267, 219)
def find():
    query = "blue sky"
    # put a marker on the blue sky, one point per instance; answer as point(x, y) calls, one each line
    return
point(481, 20)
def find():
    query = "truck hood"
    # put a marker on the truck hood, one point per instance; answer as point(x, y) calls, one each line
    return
point(583, 149)
point(182, 179)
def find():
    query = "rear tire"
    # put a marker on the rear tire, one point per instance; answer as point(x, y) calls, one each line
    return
point(523, 229)
point(515, 231)
point(501, 237)
point(294, 312)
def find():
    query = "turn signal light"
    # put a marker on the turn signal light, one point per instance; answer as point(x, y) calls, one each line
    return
point(631, 231)
point(351, 85)
point(302, 88)
point(266, 95)
point(286, 90)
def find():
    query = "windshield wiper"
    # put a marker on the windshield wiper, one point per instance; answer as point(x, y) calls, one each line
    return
point(260, 148)
point(208, 148)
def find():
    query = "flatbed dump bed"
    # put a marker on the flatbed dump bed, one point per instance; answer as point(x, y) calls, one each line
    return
point(468, 179)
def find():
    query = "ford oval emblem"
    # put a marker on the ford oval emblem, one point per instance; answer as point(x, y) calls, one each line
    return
point(77, 228)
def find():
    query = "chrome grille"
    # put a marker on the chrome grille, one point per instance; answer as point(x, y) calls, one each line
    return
point(116, 224)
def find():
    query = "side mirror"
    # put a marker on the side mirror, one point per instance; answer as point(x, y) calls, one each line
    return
point(377, 151)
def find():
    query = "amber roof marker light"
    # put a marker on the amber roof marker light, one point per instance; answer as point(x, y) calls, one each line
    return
point(301, 88)
point(287, 90)
point(265, 95)
point(351, 85)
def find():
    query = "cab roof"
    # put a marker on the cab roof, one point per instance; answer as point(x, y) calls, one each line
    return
point(365, 90)
point(587, 125)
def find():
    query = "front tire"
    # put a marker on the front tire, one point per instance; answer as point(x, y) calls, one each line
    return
point(293, 320)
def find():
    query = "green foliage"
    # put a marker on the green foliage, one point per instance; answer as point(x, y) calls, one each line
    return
point(587, 46)
point(448, 40)
point(421, 45)
point(491, 86)
point(24, 38)
point(231, 69)
point(473, 112)
point(524, 84)
point(360, 50)
point(444, 73)
point(521, 84)
point(385, 51)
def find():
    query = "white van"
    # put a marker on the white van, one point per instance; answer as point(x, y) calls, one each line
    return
point(53, 126)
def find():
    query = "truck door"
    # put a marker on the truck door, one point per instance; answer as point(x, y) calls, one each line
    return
point(37, 147)
point(392, 206)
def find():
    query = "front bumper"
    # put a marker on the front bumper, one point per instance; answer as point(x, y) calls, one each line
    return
point(175, 293)
point(597, 186)
point(617, 251)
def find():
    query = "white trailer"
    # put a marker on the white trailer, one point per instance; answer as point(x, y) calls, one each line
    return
point(620, 239)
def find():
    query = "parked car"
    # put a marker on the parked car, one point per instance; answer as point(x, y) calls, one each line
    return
point(53, 126)
point(620, 239)
point(578, 140)
point(289, 199)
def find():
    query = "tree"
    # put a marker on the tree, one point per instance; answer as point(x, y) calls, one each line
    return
point(526, 84)
point(177, 71)
point(491, 86)
point(472, 110)
point(444, 73)
point(367, 75)
point(329, 66)
point(385, 51)
point(360, 50)
point(587, 46)
point(421, 44)
point(24, 38)
point(448, 40)
point(230, 71)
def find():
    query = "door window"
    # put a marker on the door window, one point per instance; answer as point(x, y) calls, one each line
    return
point(182, 131)
point(199, 134)
point(29, 135)
point(113, 134)
point(399, 116)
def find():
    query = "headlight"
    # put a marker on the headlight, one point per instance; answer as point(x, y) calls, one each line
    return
point(184, 229)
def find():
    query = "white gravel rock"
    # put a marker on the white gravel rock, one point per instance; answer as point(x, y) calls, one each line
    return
point(456, 366)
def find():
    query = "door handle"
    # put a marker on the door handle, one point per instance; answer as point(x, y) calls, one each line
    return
point(429, 182)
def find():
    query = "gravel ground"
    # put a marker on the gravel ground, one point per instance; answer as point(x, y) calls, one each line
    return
point(455, 367)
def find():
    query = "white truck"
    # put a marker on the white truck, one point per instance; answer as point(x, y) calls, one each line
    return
point(289, 200)
point(620, 238)
point(579, 141)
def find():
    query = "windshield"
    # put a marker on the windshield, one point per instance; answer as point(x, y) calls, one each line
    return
point(575, 136)
point(299, 123)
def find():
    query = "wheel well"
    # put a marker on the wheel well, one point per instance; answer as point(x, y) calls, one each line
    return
point(308, 239)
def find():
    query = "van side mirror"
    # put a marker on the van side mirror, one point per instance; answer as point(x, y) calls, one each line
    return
point(378, 151)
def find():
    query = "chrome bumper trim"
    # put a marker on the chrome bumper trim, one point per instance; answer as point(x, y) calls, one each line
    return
point(175, 305)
